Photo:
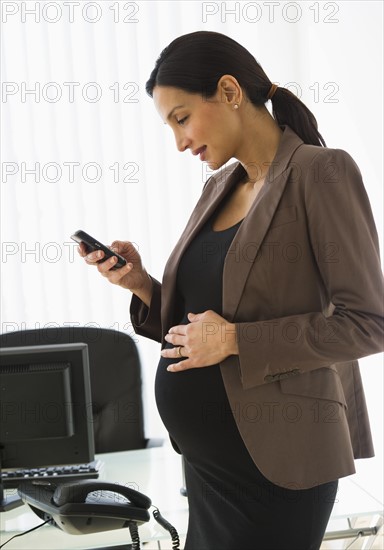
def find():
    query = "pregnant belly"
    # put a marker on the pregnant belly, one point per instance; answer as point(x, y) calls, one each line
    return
point(190, 402)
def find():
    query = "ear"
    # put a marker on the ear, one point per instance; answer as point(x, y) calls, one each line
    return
point(229, 90)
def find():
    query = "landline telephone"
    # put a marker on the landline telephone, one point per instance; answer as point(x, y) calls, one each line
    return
point(91, 506)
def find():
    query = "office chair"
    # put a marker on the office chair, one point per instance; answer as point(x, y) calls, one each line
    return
point(116, 388)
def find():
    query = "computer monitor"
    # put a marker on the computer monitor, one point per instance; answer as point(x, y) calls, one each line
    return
point(45, 406)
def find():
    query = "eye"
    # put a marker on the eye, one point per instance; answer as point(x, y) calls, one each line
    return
point(182, 120)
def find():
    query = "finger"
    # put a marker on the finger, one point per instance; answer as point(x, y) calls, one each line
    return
point(174, 353)
point(193, 317)
point(81, 249)
point(106, 268)
point(114, 248)
point(180, 366)
point(168, 353)
point(123, 247)
point(94, 257)
point(178, 329)
point(114, 276)
point(175, 339)
point(107, 264)
point(116, 245)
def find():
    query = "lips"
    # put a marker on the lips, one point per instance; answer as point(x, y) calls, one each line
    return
point(200, 151)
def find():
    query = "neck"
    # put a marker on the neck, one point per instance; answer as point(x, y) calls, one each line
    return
point(259, 144)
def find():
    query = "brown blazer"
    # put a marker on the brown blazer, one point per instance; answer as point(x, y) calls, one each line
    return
point(302, 282)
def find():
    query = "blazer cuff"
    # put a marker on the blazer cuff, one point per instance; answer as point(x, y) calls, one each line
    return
point(146, 321)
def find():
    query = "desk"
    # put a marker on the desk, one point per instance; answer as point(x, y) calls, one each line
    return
point(157, 472)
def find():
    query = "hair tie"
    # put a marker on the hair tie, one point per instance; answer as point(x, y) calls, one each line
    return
point(272, 90)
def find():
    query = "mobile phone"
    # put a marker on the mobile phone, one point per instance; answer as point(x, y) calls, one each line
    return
point(92, 244)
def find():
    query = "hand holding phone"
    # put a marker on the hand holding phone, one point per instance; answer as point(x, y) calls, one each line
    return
point(128, 271)
point(92, 244)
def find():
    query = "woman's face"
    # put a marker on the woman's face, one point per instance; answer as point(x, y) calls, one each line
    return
point(209, 128)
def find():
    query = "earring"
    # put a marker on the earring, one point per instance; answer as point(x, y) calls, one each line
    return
point(236, 106)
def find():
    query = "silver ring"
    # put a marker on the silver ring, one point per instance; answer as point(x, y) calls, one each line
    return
point(179, 351)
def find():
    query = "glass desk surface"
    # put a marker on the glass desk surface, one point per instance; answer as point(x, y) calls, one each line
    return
point(157, 472)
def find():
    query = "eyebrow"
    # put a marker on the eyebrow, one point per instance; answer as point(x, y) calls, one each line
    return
point(174, 109)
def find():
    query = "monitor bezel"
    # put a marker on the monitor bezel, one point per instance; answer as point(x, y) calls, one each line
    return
point(76, 449)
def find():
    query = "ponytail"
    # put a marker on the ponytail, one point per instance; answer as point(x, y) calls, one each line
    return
point(288, 109)
point(195, 62)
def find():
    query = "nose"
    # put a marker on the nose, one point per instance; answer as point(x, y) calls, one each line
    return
point(182, 142)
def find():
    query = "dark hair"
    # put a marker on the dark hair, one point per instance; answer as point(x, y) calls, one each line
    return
point(195, 62)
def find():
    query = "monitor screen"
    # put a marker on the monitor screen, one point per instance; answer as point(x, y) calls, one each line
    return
point(46, 406)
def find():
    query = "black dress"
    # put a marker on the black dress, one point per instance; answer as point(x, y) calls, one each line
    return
point(232, 506)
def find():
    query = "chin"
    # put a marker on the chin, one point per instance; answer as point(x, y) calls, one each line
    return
point(215, 165)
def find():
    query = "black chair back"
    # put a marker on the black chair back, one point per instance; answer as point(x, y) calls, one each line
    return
point(115, 373)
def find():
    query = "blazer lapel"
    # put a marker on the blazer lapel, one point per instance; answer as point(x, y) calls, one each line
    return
point(248, 239)
point(246, 244)
point(213, 194)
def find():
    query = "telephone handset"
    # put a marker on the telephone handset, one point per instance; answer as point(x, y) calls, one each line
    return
point(86, 506)
point(91, 506)
point(83, 492)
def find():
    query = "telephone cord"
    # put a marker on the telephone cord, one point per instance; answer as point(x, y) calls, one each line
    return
point(168, 527)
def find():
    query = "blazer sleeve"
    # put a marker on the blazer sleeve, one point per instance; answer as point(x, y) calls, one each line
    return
point(146, 321)
point(338, 213)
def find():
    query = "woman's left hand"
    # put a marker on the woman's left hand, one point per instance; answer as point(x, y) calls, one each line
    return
point(205, 341)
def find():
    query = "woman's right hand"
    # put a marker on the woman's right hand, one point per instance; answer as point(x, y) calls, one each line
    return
point(132, 276)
